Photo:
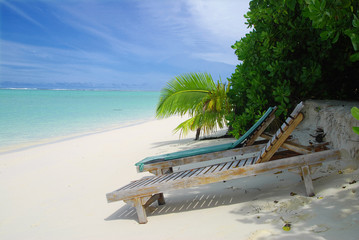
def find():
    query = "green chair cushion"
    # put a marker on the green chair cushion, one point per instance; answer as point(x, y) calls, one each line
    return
point(204, 150)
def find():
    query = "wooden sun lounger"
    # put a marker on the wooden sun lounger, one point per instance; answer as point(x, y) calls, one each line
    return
point(143, 192)
point(166, 166)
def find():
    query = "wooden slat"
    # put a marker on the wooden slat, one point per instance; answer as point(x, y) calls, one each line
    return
point(201, 158)
point(228, 165)
point(156, 167)
point(214, 167)
point(262, 128)
point(242, 162)
point(148, 182)
point(206, 170)
point(180, 176)
point(199, 171)
point(277, 143)
point(235, 163)
point(193, 172)
point(160, 178)
point(219, 168)
point(187, 173)
point(169, 176)
point(291, 145)
point(189, 166)
point(154, 180)
point(249, 161)
point(135, 183)
point(234, 173)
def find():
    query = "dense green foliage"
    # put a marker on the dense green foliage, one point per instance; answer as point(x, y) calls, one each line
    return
point(355, 113)
point(296, 50)
point(197, 95)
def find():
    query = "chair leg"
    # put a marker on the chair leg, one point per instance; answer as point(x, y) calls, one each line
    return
point(141, 211)
point(308, 181)
point(161, 199)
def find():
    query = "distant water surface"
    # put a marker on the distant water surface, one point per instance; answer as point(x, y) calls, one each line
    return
point(30, 117)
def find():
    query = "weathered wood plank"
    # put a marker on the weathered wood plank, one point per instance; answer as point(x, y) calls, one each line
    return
point(157, 168)
point(308, 181)
point(161, 199)
point(276, 144)
point(149, 201)
point(219, 168)
point(187, 173)
point(137, 182)
point(249, 161)
point(205, 170)
point(261, 129)
point(235, 163)
point(159, 178)
point(228, 165)
point(141, 211)
point(234, 173)
point(199, 171)
point(189, 166)
point(169, 177)
point(200, 158)
point(291, 145)
point(241, 163)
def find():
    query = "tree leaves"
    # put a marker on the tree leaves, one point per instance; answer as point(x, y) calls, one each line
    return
point(195, 94)
point(355, 113)
point(183, 94)
point(335, 18)
point(295, 51)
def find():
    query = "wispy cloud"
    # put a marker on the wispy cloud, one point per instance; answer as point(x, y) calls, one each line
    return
point(222, 20)
point(38, 64)
point(106, 26)
point(207, 28)
point(105, 42)
point(21, 13)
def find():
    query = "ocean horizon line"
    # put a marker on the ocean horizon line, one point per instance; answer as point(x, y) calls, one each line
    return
point(81, 89)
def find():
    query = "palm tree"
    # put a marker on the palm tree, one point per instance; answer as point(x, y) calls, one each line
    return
point(197, 95)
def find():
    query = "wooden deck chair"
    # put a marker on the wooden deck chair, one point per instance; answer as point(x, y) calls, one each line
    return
point(158, 165)
point(141, 193)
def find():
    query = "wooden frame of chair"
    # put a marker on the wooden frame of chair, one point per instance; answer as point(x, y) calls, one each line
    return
point(163, 167)
point(143, 192)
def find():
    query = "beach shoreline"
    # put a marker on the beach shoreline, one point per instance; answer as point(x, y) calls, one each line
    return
point(58, 191)
point(42, 142)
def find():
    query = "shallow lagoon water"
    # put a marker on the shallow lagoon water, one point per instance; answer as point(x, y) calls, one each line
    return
point(30, 117)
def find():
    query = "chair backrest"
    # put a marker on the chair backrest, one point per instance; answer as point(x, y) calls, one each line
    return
point(250, 133)
point(281, 135)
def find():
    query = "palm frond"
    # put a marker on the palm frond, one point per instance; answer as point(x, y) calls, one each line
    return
point(199, 96)
point(185, 127)
point(183, 93)
point(207, 121)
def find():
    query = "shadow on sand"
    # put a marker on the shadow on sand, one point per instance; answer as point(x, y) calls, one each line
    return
point(211, 196)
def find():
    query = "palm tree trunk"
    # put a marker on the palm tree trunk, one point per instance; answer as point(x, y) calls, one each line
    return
point(198, 133)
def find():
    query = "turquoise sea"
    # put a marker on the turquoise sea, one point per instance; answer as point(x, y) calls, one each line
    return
point(32, 117)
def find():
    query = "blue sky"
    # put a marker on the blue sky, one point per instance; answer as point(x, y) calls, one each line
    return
point(123, 44)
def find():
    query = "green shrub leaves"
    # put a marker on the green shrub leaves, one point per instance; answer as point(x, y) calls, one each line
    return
point(355, 113)
point(297, 49)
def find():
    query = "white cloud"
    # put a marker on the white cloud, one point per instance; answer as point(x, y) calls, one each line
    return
point(206, 28)
point(223, 19)
point(143, 41)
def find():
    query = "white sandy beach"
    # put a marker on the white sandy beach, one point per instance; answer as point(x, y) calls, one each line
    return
point(57, 191)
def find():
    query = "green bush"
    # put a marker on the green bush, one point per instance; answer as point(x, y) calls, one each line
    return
point(286, 58)
point(355, 113)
